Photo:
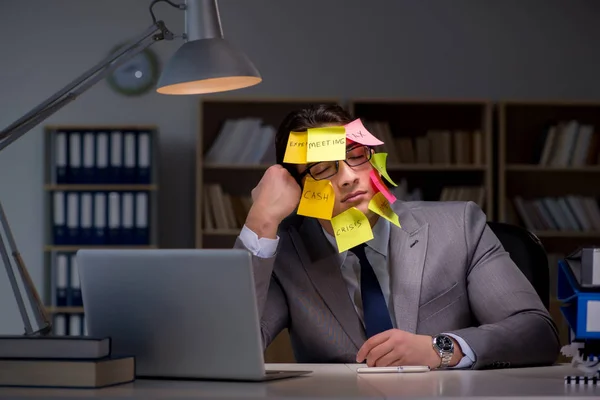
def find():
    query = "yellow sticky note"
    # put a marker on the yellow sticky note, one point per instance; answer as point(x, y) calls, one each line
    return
point(381, 206)
point(351, 228)
point(317, 199)
point(326, 144)
point(295, 152)
point(378, 161)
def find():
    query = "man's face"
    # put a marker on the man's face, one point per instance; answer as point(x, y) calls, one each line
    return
point(352, 185)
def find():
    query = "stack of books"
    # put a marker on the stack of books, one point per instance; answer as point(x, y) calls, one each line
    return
point(61, 361)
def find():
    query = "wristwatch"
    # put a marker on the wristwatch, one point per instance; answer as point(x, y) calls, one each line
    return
point(444, 346)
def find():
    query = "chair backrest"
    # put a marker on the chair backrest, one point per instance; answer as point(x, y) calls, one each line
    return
point(528, 253)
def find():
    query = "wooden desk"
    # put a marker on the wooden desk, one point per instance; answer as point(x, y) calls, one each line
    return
point(341, 381)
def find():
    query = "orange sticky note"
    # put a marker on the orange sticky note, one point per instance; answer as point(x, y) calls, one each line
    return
point(378, 161)
point(351, 228)
point(326, 144)
point(295, 152)
point(381, 206)
point(317, 199)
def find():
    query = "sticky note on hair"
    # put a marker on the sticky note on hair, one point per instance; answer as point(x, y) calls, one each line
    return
point(357, 132)
point(317, 199)
point(326, 144)
point(351, 227)
point(295, 152)
point(381, 206)
point(380, 186)
point(378, 161)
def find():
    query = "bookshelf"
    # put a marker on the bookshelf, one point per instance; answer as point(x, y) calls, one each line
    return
point(437, 149)
point(100, 191)
point(548, 163)
point(231, 158)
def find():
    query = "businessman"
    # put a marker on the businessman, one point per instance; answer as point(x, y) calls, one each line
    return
point(440, 290)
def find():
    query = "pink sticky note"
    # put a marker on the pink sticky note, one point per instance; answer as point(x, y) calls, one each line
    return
point(357, 132)
point(379, 185)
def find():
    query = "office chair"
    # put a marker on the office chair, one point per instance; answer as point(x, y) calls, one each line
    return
point(528, 253)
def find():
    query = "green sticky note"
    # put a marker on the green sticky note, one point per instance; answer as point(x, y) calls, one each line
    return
point(378, 161)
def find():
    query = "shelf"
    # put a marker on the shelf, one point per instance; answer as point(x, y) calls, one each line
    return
point(549, 168)
point(70, 248)
point(64, 310)
point(435, 167)
point(567, 234)
point(253, 167)
point(100, 187)
point(221, 232)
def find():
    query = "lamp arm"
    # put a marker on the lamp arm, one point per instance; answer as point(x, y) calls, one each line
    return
point(156, 32)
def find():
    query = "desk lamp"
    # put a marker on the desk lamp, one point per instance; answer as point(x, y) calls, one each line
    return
point(205, 63)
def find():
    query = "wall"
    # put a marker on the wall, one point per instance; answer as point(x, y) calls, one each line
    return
point(465, 48)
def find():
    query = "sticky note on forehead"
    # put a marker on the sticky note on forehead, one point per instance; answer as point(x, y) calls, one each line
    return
point(326, 144)
point(351, 227)
point(295, 152)
point(317, 199)
point(357, 132)
point(378, 160)
point(381, 206)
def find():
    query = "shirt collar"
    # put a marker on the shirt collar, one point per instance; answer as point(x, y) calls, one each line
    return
point(379, 243)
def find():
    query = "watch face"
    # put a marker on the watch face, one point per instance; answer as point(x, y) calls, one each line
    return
point(444, 343)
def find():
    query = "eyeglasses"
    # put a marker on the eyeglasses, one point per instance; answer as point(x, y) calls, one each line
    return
point(355, 156)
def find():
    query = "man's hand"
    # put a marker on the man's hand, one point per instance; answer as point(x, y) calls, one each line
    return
point(274, 198)
point(395, 347)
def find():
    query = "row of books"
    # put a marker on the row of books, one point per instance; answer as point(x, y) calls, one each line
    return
point(101, 157)
point(221, 210)
point(569, 143)
point(434, 147)
point(72, 324)
point(243, 141)
point(100, 218)
point(65, 286)
point(566, 213)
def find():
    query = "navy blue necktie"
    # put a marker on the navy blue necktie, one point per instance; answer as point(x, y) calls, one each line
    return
point(376, 314)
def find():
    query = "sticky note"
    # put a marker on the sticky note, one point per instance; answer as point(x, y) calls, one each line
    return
point(326, 144)
point(295, 152)
point(357, 132)
point(351, 227)
point(380, 186)
point(317, 199)
point(381, 206)
point(378, 160)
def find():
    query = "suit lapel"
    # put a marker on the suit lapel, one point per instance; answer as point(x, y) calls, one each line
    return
point(322, 265)
point(407, 251)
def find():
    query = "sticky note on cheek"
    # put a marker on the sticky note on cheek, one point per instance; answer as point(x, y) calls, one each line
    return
point(295, 152)
point(381, 206)
point(378, 161)
point(351, 227)
point(357, 132)
point(326, 144)
point(317, 199)
point(380, 186)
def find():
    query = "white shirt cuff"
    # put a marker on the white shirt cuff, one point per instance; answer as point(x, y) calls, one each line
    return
point(469, 356)
point(263, 247)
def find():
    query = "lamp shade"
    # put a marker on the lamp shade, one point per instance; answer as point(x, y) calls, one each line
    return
point(207, 66)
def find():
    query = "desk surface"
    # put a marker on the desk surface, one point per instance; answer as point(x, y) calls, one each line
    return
point(341, 381)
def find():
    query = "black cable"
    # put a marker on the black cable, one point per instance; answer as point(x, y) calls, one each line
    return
point(179, 6)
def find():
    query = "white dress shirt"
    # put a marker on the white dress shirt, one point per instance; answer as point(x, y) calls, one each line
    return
point(376, 252)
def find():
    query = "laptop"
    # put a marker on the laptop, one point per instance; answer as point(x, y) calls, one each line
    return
point(188, 313)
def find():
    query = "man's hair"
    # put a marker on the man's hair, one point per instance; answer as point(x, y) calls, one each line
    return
point(314, 116)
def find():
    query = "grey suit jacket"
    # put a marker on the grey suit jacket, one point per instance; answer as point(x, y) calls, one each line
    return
point(448, 273)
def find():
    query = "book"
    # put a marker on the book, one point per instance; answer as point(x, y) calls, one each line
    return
point(65, 347)
point(61, 373)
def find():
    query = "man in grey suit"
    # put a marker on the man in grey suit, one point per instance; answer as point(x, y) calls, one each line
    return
point(440, 290)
